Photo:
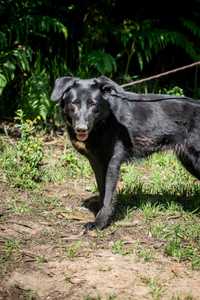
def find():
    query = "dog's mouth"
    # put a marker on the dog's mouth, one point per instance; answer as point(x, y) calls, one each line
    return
point(82, 136)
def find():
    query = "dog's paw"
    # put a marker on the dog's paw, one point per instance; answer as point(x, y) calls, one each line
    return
point(94, 225)
point(90, 226)
point(103, 219)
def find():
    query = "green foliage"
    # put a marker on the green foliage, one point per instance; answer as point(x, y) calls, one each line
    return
point(143, 40)
point(3, 82)
point(174, 91)
point(178, 245)
point(39, 25)
point(101, 62)
point(24, 36)
point(29, 147)
point(40, 41)
point(21, 162)
point(35, 96)
point(10, 60)
point(76, 164)
point(192, 26)
point(134, 37)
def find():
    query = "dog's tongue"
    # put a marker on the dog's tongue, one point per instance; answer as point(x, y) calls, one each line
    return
point(82, 137)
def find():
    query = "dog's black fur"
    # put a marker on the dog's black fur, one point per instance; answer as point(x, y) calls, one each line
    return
point(109, 125)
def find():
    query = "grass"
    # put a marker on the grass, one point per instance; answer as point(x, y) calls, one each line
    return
point(40, 259)
point(156, 289)
point(118, 248)
point(167, 198)
point(145, 254)
point(9, 253)
point(23, 161)
point(150, 210)
point(10, 247)
point(73, 250)
point(161, 174)
point(181, 239)
point(187, 297)
point(19, 206)
point(69, 164)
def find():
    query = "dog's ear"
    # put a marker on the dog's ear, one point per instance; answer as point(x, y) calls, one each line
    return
point(107, 85)
point(112, 93)
point(61, 85)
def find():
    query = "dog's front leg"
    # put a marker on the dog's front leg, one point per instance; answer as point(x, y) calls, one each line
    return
point(103, 218)
point(99, 167)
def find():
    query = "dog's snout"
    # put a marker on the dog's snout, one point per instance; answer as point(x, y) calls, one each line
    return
point(81, 133)
point(81, 129)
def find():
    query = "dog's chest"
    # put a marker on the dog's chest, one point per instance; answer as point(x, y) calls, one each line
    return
point(80, 146)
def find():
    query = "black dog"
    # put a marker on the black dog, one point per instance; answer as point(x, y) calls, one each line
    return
point(109, 126)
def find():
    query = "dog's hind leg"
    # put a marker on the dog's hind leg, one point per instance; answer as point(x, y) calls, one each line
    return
point(190, 159)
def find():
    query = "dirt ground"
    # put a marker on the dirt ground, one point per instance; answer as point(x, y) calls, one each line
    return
point(46, 254)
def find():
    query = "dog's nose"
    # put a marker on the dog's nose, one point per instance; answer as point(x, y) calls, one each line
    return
point(81, 129)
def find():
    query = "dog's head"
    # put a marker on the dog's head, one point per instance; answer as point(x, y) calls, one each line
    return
point(83, 102)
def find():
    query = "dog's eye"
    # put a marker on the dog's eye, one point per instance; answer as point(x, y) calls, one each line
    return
point(107, 88)
point(71, 108)
point(76, 102)
point(91, 102)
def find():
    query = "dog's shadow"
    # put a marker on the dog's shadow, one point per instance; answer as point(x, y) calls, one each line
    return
point(133, 201)
point(92, 204)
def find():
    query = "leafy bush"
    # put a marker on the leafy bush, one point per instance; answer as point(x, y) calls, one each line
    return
point(35, 96)
point(101, 62)
point(21, 162)
point(176, 90)
point(10, 60)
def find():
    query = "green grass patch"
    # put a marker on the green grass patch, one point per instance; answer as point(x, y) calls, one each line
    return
point(68, 164)
point(73, 250)
point(168, 199)
point(118, 247)
point(19, 206)
point(182, 239)
point(145, 254)
point(158, 175)
point(155, 287)
point(9, 253)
